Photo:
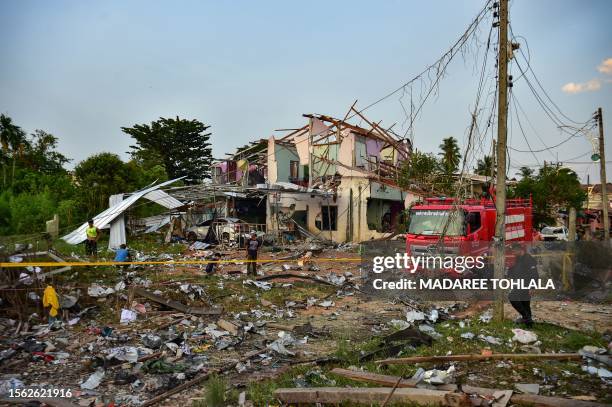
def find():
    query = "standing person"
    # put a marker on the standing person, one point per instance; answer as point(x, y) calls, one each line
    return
point(525, 269)
point(252, 247)
point(93, 234)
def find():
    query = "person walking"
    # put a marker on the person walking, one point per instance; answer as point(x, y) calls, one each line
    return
point(525, 269)
point(252, 247)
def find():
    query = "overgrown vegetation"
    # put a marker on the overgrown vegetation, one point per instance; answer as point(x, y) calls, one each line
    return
point(36, 182)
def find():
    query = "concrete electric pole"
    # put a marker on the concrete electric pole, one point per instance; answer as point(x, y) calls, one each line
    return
point(602, 175)
point(500, 187)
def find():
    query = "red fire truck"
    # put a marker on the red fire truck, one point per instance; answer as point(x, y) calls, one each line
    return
point(441, 227)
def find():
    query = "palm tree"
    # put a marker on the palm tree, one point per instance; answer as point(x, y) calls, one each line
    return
point(525, 172)
point(11, 137)
point(484, 166)
point(450, 155)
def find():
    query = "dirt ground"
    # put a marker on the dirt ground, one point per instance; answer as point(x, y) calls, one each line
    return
point(350, 324)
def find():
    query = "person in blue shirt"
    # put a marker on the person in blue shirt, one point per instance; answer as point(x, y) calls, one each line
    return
point(122, 254)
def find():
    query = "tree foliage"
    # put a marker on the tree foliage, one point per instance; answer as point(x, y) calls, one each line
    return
point(180, 145)
point(35, 184)
point(450, 155)
point(552, 189)
point(484, 166)
point(99, 177)
point(421, 169)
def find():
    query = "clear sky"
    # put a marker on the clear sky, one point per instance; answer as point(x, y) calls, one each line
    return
point(83, 69)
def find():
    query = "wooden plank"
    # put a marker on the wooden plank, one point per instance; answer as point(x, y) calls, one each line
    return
point(385, 380)
point(533, 399)
point(368, 395)
point(175, 304)
point(381, 379)
point(476, 357)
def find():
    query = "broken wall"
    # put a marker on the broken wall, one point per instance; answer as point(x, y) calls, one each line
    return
point(351, 209)
point(280, 157)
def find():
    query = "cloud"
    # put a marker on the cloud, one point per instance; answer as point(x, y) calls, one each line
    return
point(606, 66)
point(590, 86)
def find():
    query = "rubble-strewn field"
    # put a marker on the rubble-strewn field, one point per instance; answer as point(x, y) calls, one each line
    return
point(230, 339)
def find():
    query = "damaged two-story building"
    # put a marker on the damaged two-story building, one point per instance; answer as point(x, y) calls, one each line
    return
point(329, 178)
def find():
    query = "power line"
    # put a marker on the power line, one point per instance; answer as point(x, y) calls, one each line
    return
point(513, 99)
point(555, 146)
point(529, 68)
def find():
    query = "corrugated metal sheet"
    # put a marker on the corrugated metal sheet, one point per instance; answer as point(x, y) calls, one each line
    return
point(104, 218)
point(117, 227)
point(162, 198)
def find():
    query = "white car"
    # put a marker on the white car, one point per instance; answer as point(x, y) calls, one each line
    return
point(550, 233)
point(226, 229)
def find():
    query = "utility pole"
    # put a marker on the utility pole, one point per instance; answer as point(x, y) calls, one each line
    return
point(602, 175)
point(500, 187)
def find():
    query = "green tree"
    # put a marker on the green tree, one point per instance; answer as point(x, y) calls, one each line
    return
point(421, 169)
point(552, 189)
point(525, 172)
point(181, 146)
point(484, 166)
point(450, 155)
point(100, 176)
point(41, 153)
point(13, 141)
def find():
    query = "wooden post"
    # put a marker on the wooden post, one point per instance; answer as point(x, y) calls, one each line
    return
point(500, 187)
point(602, 176)
point(568, 273)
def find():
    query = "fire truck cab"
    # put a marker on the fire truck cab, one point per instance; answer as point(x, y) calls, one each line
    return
point(466, 228)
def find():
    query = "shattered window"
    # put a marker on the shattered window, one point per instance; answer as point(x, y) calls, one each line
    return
point(294, 173)
point(329, 217)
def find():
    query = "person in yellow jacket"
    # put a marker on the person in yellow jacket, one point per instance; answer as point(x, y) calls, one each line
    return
point(50, 300)
point(93, 234)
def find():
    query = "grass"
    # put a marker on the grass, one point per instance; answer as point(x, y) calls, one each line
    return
point(567, 378)
point(215, 394)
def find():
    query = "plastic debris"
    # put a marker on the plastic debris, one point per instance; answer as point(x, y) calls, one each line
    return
point(335, 279)
point(264, 285)
point(279, 346)
point(522, 336)
point(399, 324)
point(433, 315)
point(212, 330)
point(468, 335)
point(601, 372)
point(151, 341)
point(435, 376)
point(528, 388)
point(412, 316)
point(94, 380)
point(490, 339)
point(326, 304)
point(8, 384)
point(127, 316)
point(123, 353)
point(96, 290)
point(486, 316)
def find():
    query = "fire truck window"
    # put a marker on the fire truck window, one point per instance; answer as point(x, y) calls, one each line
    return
point(473, 219)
